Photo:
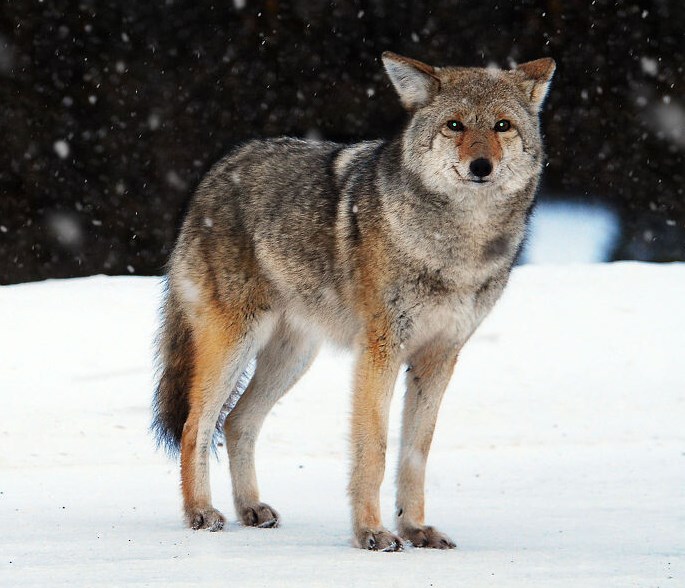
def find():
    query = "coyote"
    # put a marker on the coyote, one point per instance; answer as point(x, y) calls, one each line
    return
point(397, 249)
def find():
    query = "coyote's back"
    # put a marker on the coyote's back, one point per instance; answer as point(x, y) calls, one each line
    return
point(395, 248)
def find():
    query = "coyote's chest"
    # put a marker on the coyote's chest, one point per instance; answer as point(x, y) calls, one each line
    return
point(434, 305)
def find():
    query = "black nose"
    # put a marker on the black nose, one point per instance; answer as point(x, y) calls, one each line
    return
point(481, 167)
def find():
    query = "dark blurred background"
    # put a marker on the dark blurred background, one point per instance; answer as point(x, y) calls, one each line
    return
point(111, 111)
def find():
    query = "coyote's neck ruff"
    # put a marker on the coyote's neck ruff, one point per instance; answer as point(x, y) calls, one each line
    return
point(396, 248)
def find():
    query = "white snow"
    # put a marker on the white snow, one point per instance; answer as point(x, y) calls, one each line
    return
point(65, 227)
point(62, 149)
point(570, 232)
point(669, 120)
point(650, 66)
point(154, 121)
point(559, 458)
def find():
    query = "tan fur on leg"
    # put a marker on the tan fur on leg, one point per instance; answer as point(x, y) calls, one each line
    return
point(222, 347)
point(375, 378)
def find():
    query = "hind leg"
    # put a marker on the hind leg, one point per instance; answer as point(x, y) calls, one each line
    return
point(280, 365)
point(223, 345)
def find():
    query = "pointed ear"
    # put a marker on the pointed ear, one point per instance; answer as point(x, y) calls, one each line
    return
point(415, 82)
point(536, 76)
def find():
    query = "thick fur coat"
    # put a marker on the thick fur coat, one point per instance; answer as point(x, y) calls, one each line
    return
point(397, 249)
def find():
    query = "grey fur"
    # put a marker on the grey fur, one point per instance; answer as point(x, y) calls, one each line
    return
point(323, 238)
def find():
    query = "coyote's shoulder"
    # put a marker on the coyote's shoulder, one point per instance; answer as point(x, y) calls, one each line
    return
point(397, 248)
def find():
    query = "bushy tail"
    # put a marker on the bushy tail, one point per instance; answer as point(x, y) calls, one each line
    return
point(170, 405)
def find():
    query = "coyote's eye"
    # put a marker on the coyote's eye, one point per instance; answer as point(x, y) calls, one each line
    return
point(455, 125)
point(501, 126)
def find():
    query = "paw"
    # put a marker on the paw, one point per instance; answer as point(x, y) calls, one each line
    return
point(259, 515)
point(205, 518)
point(379, 540)
point(427, 537)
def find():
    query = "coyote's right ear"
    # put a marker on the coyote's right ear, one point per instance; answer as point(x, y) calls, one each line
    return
point(415, 82)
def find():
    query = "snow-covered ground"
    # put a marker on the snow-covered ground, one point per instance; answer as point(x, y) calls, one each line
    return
point(559, 458)
point(570, 231)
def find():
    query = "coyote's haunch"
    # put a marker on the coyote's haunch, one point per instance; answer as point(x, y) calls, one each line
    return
point(397, 249)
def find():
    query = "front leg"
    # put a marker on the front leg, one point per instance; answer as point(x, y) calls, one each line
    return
point(374, 382)
point(427, 377)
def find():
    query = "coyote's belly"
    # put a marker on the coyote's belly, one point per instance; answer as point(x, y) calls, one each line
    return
point(323, 317)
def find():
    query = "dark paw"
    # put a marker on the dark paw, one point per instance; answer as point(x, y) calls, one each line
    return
point(206, 518)
point(427, 537)
point(259, 515)
point(379, 540)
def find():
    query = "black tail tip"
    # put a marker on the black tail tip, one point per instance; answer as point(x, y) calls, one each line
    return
point(166, 438)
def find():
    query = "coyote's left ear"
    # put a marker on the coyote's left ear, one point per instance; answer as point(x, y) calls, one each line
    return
point(535, 77)
point(415, 82)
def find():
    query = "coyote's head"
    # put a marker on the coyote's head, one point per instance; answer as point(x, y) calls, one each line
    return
point(472, 130)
